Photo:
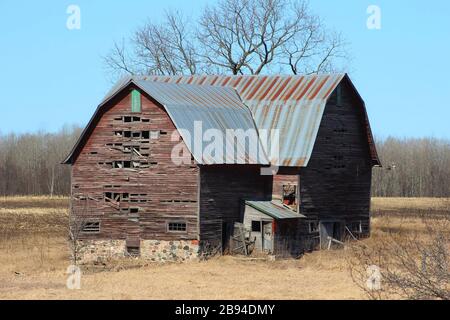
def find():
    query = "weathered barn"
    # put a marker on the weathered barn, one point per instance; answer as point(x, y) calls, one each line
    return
point(312, 183)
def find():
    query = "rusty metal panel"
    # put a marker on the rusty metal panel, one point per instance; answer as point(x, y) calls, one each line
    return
point(274, 210)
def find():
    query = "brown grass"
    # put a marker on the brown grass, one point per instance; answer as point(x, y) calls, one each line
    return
point(34, 258)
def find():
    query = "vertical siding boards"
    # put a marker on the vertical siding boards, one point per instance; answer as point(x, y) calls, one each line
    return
point(162, 192)
point(223, 190)
point(336, 182)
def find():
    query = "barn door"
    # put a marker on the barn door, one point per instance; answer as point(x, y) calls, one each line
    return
point(328, 229)
point(267, 236)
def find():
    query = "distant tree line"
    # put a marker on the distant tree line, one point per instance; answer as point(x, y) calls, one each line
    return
point(412, 167)
point(30, 165)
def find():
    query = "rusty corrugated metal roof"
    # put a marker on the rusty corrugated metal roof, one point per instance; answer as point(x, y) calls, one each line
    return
point(292, 104)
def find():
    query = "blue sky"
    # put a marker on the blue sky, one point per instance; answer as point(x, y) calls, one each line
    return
point(52, 76)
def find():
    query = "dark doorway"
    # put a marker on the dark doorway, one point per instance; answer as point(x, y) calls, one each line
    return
point(329, 229)
point(227, 231)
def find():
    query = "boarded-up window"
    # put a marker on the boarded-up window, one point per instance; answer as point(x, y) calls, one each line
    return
point(135, 101)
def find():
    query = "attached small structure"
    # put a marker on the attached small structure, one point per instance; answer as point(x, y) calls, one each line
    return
point(143, 182)
point(275, 227)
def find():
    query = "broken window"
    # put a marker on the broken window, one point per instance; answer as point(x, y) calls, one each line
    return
point(289, 194)
point(176, 226)
point(131, 119)
point(129, 164)
point(313, 226)
point(256, 226)
point(129, 210)
point(117, 197)
point(91, 227)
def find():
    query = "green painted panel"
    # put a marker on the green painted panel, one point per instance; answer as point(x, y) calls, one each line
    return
point(135, 101)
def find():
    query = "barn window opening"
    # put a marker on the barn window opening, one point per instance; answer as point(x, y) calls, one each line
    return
point(163, 132)
point(127, 119)
point(91, 227)
point(177, 227)
point(135, 101)
point(313, 226)
point(145, 120)
point(256, 226)
point(129, 210)
point(128, 164)
point(127, 134)
point(355, 227)
point(145, 134)
point(289, 194)
point(117, 133)
point(115, 196)
point(154, 135)
point(93, 152)
point(136, 134)
point(133, 251)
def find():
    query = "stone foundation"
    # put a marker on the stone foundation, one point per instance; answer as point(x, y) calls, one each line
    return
point(96, 251)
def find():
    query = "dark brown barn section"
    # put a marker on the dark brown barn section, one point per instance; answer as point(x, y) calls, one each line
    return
point(132, 197)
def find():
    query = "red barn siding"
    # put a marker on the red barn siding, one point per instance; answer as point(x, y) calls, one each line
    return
point(163, 192)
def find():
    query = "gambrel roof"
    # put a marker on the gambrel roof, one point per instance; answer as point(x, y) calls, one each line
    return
point(292, 104)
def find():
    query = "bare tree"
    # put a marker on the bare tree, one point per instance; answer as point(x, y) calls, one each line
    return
point(161, 49)
point(233, 36)
point(410, 266)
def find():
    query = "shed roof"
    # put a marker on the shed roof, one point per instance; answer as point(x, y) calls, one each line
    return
point(274, 210)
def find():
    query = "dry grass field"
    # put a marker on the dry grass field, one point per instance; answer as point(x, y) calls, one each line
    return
point(34, 257)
